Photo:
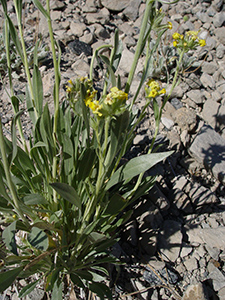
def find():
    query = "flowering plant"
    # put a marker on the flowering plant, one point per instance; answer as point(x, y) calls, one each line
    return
point(63, 193)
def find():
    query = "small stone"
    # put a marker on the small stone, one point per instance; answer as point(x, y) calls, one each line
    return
point(77, 28)
point(116, 5)
point(209, 67)
point(220, 50)
point(185, 118)
point(170, 240)
point(176, 103)
point(196, 292)
point(193, 81)
point(218, 279)
point(168, 123)
point(101, 32)
point(220, 86)
point(87, 38)
point(196, 96)
point(210, 111)
point(207, 81)
point(78, 47)
point(219, 19)
point(131, 11)
point(219, 32)
point(216, 96)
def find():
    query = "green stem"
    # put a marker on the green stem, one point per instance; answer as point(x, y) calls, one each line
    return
point(157, 122)
point(56, 95)
point(11, 186)
point(93, 59)
point(139, 47)
point(7, 46)
point(26, 64)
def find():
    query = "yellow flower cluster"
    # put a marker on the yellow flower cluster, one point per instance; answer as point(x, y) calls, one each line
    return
point(153, 89)
point(189, 41)
point(112, 104)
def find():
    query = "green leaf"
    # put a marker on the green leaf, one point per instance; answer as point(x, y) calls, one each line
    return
point(30, 106)
point(41, 8)
point(34, 199)
point(77, 280)
point(118, 129)
point(4, 5)
point(38, 89)
point(110, 70)
point(115, 205)
point(18, 4)
point(136, 166)
point(57, 290)
point(95, 237)
point(38, 239)
point(8, 236)
point(15, 38)
point(2, 187)
point(85, 163)
point(28, 288)
point(8, 277)
point(101, 290)
point(67, 192)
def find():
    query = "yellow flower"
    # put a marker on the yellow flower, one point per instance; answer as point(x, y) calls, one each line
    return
point(153, 94)
point(175, 43)
point(153, 85)
point(192, 33)
point(170, 25)
point(70, 81)
point(202, 43)
point(163, 91)
point(68, 89)
point(176, 36)
point(185, 44)
point(95, 107)
point(118, 94)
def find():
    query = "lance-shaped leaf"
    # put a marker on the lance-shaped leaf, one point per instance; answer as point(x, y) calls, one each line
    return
point(41, 8)
point(67, 192)
point(38, 239)
point(8, 236)
point(136, 166)
point(8, 277)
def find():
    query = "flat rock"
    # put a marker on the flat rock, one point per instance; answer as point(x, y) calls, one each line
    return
point(208, 148)
point(213, 237)
point(79, 47)
point(195, 292)
point(170, 240)
point(210, 111)
point(115, 5)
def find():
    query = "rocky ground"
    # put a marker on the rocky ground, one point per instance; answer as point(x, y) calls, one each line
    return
point(174, 245)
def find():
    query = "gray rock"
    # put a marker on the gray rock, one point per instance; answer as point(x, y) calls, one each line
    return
point(220, 50)
point(196, 291)
point(219, 32)
point(116, 5)
point(185, 118)
point(77, 28)
point(193, 81)
point(168, 123)
point(170, 240)
point(219, 19)
point(218, 279)
point(216, 96)
point(209, 67)
point(101, 32)
point(218, 4)
point(210, 111)
point(196, 96)
point(220, 86)
point(101, 17)
point(79, 47)
point(208, 148)
point(199, 195)
point(207, 81)
point(131, 11)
